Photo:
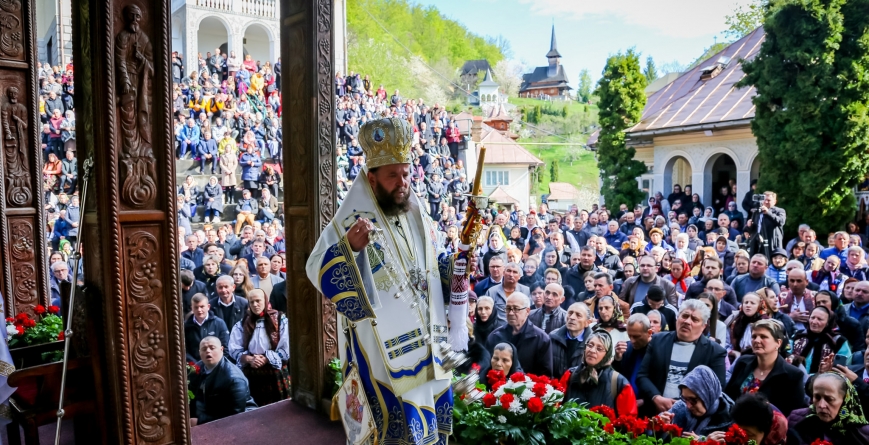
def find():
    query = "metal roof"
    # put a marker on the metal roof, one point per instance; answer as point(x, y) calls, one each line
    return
point(690, 101)
point(473, 66)
point(488, 82)
point(553, 47)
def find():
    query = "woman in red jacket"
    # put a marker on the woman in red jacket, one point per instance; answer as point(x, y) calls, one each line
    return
point(454, 136)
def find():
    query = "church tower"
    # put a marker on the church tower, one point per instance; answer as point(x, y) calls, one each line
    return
point(553, 56)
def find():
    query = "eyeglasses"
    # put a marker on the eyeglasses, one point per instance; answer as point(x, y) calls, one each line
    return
point(690, 400)
point(598, 349)
point(509, 309)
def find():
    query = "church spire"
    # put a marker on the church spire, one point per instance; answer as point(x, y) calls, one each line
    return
point(553, 46)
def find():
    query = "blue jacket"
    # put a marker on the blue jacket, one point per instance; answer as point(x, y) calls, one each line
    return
point(616, 239)
point(73, 214)
point(207, 147)
point(189, 133)
point(61, 229)
point(250, 172)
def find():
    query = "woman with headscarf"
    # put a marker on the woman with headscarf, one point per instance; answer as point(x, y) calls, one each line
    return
point(495, 247)
point(609, 317)
point(260, 345)
point(504, 359)
point(812, 345)
point(680, 276)
point(704, 409)
point(835, 414)
point(529, 272)
point(740, 329)
point(485, 319)
point(212, 195)
point(595, 382)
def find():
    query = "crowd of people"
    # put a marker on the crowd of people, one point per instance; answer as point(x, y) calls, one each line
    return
point(658, 309)
point(662, 310)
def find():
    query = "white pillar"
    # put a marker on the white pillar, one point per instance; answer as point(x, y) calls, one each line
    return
point(339, 30)
point(191, 47)
point(699, 186)
point(743, 184)
point(237, 42)
point(660, 183)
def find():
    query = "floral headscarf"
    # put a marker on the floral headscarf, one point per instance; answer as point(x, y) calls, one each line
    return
point(589, 374)
point(850, 414)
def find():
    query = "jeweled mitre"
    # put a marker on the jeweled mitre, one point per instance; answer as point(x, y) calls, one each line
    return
point(386, 141)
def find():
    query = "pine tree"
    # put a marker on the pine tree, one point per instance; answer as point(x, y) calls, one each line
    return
point(583, 92)
point(811, 121)
point(564, 111)
point(650, 71)
point(622, 98)
point(553, 171)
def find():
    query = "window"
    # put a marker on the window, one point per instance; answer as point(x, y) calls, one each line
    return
point(497, 177)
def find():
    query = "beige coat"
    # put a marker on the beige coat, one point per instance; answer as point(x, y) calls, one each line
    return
point(228, 165)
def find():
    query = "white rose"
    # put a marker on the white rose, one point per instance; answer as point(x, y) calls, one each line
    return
point(11, 330)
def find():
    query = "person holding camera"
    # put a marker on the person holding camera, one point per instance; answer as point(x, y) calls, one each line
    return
point(769, 222)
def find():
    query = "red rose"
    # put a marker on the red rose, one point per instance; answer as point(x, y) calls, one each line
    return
point(735, 436)
point(475, 367)
point(29, 323)
point(22, 316)
point(53, 309)
point(517, 377)
point(20, 330)
point(489, 399)
point(494, 376)
point(60, 335)
point(535, 405)
point(10, 319)
point(506, 400)
point(539, 389)
point(543, 379)
point(39, 309)
point(609, 428)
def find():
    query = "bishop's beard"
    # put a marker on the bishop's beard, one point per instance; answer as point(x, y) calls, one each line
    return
point(390, 203)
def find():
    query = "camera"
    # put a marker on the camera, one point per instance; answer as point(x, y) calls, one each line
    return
point(757, 198)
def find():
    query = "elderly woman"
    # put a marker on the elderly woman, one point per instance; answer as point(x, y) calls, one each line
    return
point(260, 345)
point(810, 347)
point(703, 409)
point(503, 359)
point(212, 196)
point(610, 319)
point(740, 327)
point(835, 414)
point(496, 247)
point(529, 275)
point(485, 321)
point(595, 382)
point(765, 371)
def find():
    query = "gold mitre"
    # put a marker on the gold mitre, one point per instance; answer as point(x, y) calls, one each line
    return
point(386, 141)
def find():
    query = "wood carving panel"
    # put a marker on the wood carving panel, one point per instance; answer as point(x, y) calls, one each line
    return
point(15, 135)
point(295, 96)
point(146, 324)
point(21, 256)
point(134, 74)
point(12, 30)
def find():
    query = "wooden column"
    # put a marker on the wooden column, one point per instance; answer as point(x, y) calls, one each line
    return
point(123, 87)
point(22, 230)
point(309, 195)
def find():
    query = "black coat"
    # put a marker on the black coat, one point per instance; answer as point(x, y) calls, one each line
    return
point(698, 287)
point(220, 393)
point(197, 287)
point(194, 333)
point(237, 313)
point(560, 361)
point(532, 345)
point(556, 320)
point(278, 297)
point(783, 387)
point(770, 229)
point(656, 364)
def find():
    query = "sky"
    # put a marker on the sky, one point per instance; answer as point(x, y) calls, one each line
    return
point(588, 31)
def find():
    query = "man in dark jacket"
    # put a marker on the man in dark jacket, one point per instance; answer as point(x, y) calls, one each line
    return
point(636, 287)
point(436, 193)
point(190, 286)
point(220, 389)
point(655, 301)
point(769, 223)
point(278, 297)
point(551, 316)
point(532, 344)
point(200, 325)
point(568, 341)
point(672, 355)
point(226, 305)
point(755, 279)
point(711, 269)
point(580, 263)
point(629, 356)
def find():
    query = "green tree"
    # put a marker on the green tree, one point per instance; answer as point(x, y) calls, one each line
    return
point(564, 112)
point(583, 92)
point(745, 19)
point(553, 171)
point(650, 71)
point(812, 98)
point(538, 114)
point(621, 104)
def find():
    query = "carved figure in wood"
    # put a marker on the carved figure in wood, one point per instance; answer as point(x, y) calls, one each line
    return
point(14, 116)
point(135, 71)
point(11, 43)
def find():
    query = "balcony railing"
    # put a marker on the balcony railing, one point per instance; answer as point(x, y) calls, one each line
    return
point(259, 8)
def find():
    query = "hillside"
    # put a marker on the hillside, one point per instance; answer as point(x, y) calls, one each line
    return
point(442, 43)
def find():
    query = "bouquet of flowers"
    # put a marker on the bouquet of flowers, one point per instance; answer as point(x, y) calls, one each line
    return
point(46, 327)
point(192, 369)
point(735, 435)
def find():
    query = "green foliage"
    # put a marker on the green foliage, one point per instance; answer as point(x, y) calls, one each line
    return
point(564, 112)
point(583, 92)
point(650, 71)
point(745, 19)
point(52, 356)
point(622, 98)
point(712, 50)
point(811, 121)
point(441, 42)
point(553, 171)
point(337, 374)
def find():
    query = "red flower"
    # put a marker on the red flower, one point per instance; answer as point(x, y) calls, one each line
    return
point(39, 309)
point(535, 405)
point(20, 330)
point(498, 384)
point(539, 389)
point(475, 367)
point(507, 399)
point(495, 376)
point(604, 411)
point(517, 377)
point(489, 399)
point(609, 428)
point(29, 323)
point(699, 442)
point(674, 430)
point(61, 335)
point(53, 309)
point(735, 436)
point(10, 319)
point(22, 316)
point(821, 442)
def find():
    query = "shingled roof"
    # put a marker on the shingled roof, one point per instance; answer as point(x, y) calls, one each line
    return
point(539, 78)
point(474, 66)
point(553, 46)
point(705, 96)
